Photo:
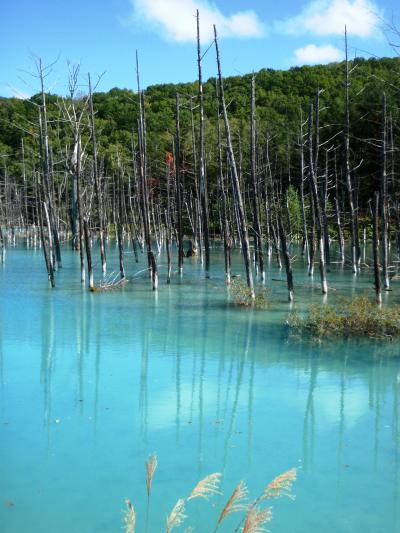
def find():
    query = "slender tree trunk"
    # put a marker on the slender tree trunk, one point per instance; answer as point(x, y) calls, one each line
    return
point(337, 215)
point(97, 182)
point(302, 199)
point(197, 234)
point(202, 173)
point(314, 190)
point(375, 245)
point(46, 167)
point(383, 199)
point(168, 246)
point(258, 241)
point(144, 185)
point(349, 184)
point(286, 259)
point(178, 187)
point(324, 210)
point(79, 206)
point(225, 222)
point(88, 249)
point(235, 179)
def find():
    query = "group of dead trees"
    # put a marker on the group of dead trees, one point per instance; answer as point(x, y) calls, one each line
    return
point(73, 192)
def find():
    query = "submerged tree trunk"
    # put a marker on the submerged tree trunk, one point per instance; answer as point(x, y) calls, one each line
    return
point(383, 199)
point(178, 187)
point(318, 217)
point(144, 185)
point(79, 204)
point(337, 215)
point(47, 177)
point(258, 241)
point(286, 259)
point(225, 222)
point(88, 249)
point(375, 245)
point(96, 177)
point(244, 238)
point(202, 173)
point(305, 246)
point(325, 209)
point(349, 181)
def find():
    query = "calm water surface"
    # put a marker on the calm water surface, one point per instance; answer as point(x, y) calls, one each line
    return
point(91, 384)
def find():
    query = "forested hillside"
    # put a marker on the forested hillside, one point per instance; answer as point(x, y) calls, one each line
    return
point(282, 98)
point(303, 154)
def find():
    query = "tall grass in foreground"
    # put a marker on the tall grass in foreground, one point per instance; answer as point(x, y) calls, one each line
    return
point(254, 516)
point(356, 317)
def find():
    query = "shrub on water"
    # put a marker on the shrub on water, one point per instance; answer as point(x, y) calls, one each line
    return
point(357, 317)
point(242, 296)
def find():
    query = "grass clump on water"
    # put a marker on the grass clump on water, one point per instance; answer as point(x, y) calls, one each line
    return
point(241, 295)
point(356, 317)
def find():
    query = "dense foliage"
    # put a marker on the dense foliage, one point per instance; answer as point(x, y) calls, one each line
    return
point(356, 317)
point(282, 99)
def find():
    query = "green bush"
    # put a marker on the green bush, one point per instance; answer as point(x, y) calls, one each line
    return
point(242, 296)
point(357, 317)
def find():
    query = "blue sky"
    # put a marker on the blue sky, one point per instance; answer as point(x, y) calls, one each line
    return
point(103, 35)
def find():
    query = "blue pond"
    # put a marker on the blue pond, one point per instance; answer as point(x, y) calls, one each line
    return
point(91, 384)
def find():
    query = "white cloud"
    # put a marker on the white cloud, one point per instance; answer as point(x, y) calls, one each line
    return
point(329, 17)
point(312, 54)
point(176, 20)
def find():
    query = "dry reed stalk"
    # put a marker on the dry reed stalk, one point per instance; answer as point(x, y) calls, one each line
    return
point(177, 516)
point(129, 517)
point(235, 502)
point(207, 487)
point(151, 465)
point(281, 486)
point(255, 520)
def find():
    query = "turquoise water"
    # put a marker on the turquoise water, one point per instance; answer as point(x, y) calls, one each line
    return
point(91, 384)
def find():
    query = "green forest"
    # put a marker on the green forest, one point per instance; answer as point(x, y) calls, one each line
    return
point(282, 99)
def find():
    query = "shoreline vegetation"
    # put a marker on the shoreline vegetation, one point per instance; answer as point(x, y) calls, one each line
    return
point(307, 156)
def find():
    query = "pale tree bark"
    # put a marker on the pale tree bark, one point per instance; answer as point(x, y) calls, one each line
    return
point(244, 238)
point(201, 162)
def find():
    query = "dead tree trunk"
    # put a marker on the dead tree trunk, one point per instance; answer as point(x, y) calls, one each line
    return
point(286, 259)
point(375, 245)
point(337, 215)
point(258, 241)
point(144, 185)
point(79, 205)
point(197, 201)
point(349, 184)
point(318, 217)
point(88, 249)
point(383, 199)
point(119, 220)
point(225, 221)
point(178, 187)
point(325, 209)
point(244, 238)
point(47, 177)
point(302, 199)
point(202, 173)
point(46, 250)
point(96, 177)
